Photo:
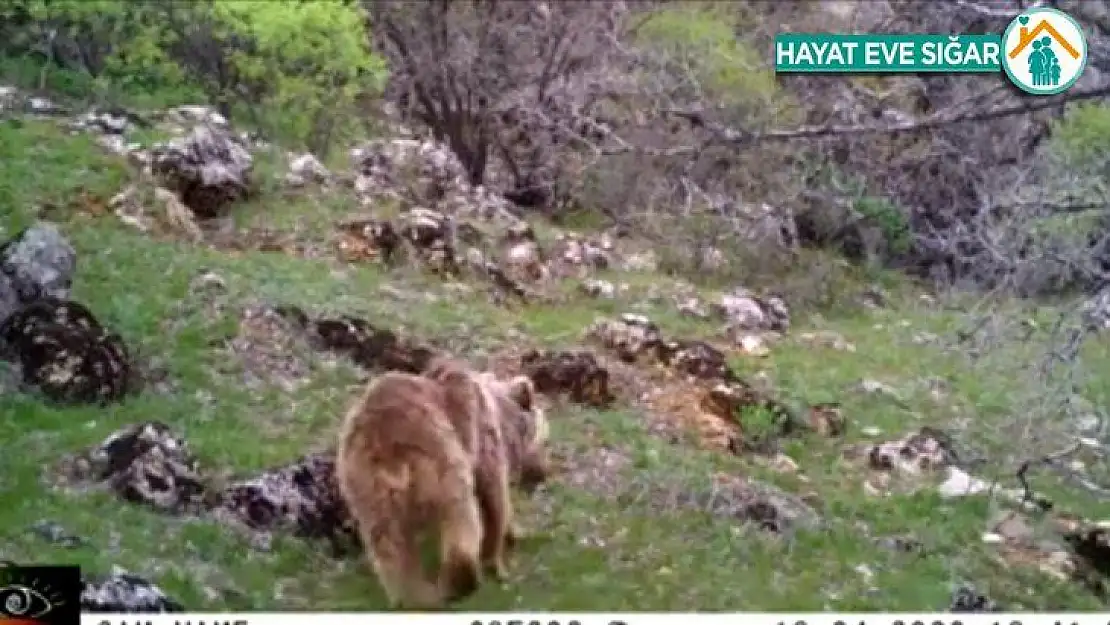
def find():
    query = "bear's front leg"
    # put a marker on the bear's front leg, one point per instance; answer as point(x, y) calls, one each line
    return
point(492, 486)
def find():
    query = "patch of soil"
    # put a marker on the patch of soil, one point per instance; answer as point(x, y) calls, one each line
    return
point(740, 499)
point(678, 408)
point(1076, 550)
point(260, 239)
point(280, 345)
point(690, 387)
point(368, 239)
point(602, 471)
point(272, 350)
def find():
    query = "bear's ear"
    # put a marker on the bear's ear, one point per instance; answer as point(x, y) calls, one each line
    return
point(437, 366)
point(523, 392)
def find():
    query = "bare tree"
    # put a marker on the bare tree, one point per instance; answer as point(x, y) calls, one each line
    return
point(498, 79)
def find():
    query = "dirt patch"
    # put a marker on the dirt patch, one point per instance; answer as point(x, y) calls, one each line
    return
point(1061, 546)
point(601, 471)
point(739, 499)
point(295, 242)
point(691, 386)
point(271, 349)
point(281, 345)
point(367, 239)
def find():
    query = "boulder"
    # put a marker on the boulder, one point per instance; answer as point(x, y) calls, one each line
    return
point(37, 262)
point(301, 498)
point(123, 592)
point(145, 463)
point(208, 168)
point(64, 352)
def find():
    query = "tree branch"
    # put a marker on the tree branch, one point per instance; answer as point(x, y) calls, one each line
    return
point(724, 135)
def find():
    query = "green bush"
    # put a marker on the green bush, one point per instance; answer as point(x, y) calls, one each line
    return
point(295, 69)
point(314, 56)
point(888, 218)
point(1083, 135)
point(702, 37)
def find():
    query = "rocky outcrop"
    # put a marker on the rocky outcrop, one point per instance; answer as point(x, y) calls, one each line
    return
point(577, 374)
point(123, 592)
point(64, 353)
point(744, 310)
point(301, 498)
point(209, 169)
point(144, 463)
point(425, 174)
point(57, 346)
point(575, 255)
point(37, 262)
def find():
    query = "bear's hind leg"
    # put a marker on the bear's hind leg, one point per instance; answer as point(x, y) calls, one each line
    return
point(460, 538)
point(395, 557)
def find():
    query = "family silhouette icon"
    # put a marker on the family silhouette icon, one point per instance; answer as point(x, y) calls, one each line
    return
point(1044, 65)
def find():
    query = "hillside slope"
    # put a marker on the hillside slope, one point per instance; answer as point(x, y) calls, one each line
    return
point(650, 509)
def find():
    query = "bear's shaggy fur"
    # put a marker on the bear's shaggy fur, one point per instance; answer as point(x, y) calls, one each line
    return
point(437, 452)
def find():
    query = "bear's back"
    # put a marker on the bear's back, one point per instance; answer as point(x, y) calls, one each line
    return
point(398, 411)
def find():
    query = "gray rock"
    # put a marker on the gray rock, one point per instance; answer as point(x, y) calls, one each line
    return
point(125, 592)
point(966, 598)
point(57, 535)
point(208, 168)
point(9, 297)
point(38, 262)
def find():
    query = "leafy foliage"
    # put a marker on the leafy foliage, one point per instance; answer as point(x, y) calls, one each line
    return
point(1084, 134)
point(887, 217)
point(295, 69)
point(701, 41)
point(313, 55)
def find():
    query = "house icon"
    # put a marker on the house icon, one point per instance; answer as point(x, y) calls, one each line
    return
point(1026, 37)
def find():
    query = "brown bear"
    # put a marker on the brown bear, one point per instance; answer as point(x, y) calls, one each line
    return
point(437, 453)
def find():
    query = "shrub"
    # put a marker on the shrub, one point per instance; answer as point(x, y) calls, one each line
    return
point(295, 69)
point(314, 56)
point(1083, 134)
point(703, 39)
point(881, 213)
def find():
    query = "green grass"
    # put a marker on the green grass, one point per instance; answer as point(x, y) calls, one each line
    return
point(591, 549)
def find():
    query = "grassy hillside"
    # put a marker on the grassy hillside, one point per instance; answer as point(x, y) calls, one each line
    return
point(633, 521)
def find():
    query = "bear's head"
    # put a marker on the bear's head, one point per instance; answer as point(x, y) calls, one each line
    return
point(530, 421)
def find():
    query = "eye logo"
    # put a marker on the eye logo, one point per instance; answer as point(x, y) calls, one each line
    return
point(24, 602)
point(40, 595)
